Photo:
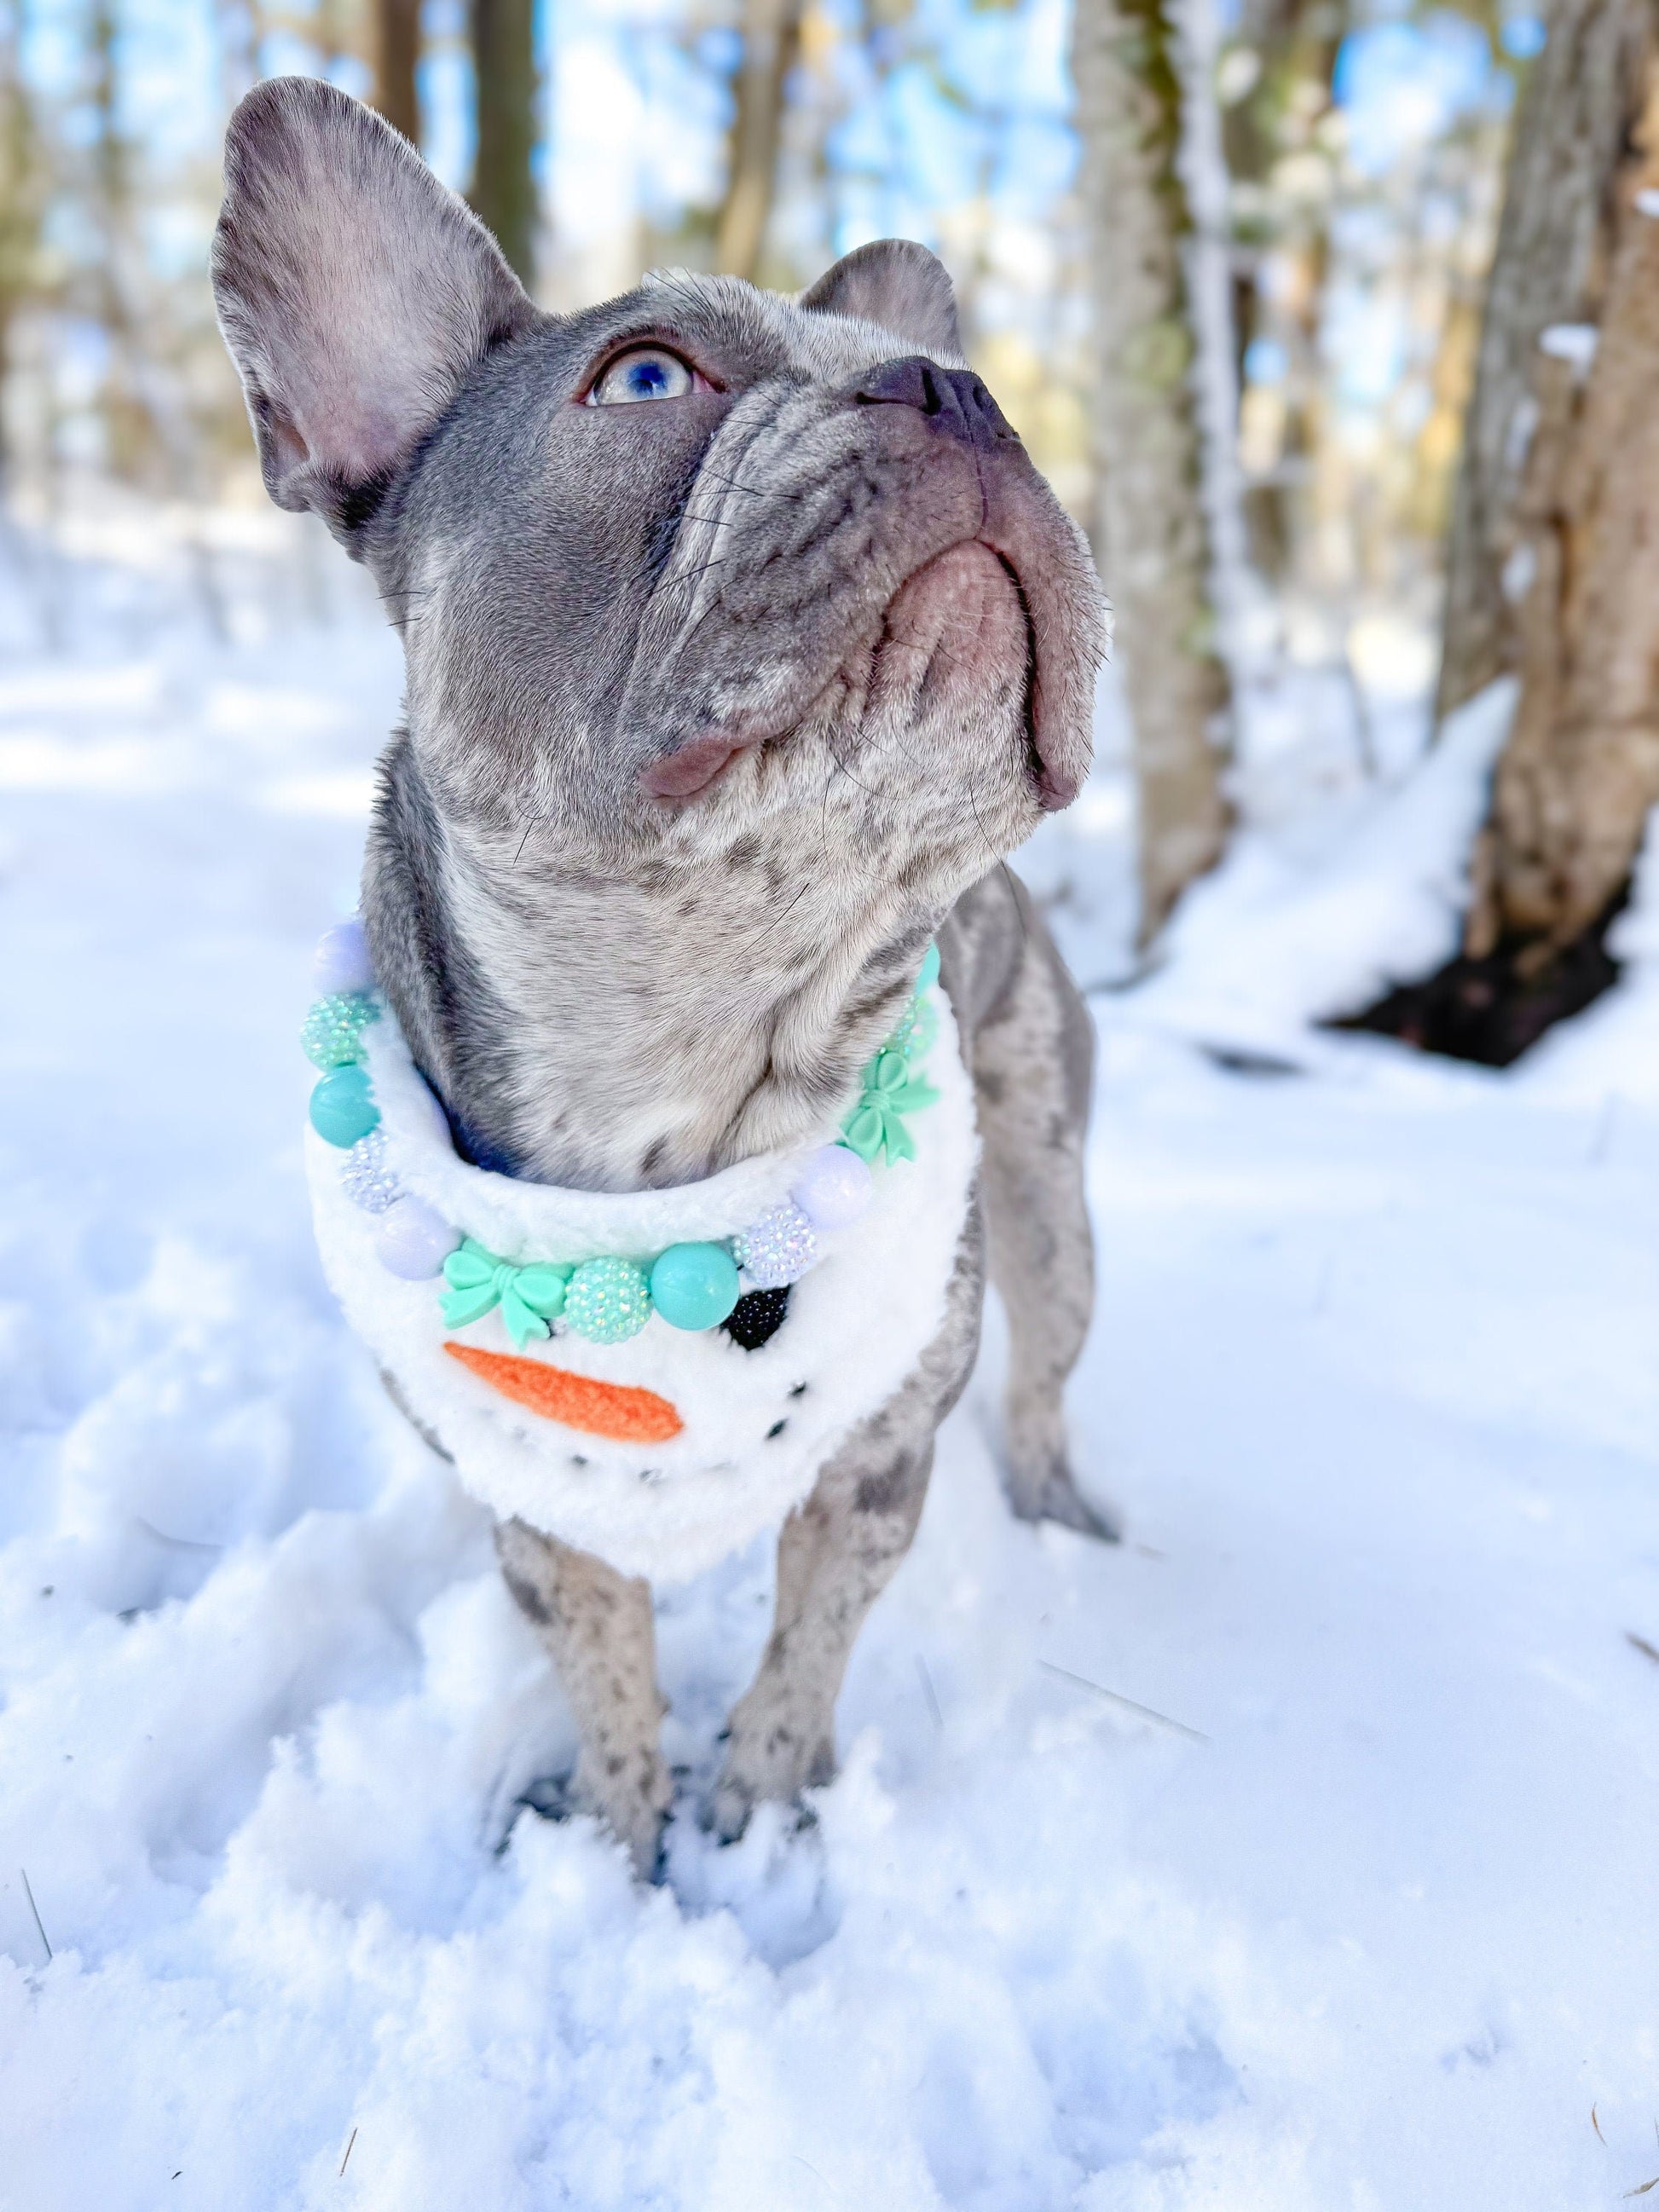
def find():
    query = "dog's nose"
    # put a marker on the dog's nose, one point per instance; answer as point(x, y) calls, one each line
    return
point(955, 399)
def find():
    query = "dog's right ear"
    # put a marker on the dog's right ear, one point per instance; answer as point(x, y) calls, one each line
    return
point(354, 291)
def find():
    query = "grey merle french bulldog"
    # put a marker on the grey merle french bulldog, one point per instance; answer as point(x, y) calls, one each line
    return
point(744, 640)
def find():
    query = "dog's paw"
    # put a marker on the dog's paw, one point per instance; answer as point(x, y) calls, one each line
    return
point(729, 1810)
point(1057, 1498)
point(771, 1765)
point(637, 1825)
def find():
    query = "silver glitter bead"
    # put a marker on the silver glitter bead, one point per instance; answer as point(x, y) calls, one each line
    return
point(367, 1179)
point(778, 1249)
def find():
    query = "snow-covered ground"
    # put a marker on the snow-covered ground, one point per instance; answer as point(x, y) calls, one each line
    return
point(1295, 1855)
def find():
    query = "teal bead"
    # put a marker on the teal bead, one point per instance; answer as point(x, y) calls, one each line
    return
point(695, 1286)
point(929, 975)
point(607, 1301)
point(343, 1108)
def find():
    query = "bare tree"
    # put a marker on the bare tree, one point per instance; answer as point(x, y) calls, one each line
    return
point(22, 206)
point(1556, 570)
point(397, 58)
point(1575, 117)
point(1581, 769)
point(1282, 57)
point(503, 176)
point(1152, 529)
point(771, 41)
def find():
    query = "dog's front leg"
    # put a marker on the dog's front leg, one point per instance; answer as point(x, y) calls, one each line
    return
point(837, 1554)
point(597, 1623)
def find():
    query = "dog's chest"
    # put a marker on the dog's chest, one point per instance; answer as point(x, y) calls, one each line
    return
point(670, 1448)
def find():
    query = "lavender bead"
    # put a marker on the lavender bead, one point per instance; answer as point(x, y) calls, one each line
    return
point(778, 1249)
point(342, 960)
point(412, 1241)
point(833, 1189)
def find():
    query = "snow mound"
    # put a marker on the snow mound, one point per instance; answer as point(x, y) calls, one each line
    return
point(1322, 913)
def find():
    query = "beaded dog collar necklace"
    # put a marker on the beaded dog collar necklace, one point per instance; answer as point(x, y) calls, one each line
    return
point(738, 1283)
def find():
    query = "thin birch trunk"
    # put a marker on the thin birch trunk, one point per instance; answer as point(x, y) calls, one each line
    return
point(771, 40)
point(1151, 527)
point(1295, 45)
point(397, 58)
point(1579, 104)
point(503, 192)
point(21, 197)
point(1581, 770)
point(1203, 170)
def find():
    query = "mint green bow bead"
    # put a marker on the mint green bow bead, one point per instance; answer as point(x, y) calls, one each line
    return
point(343, 1108)
point(530, 1298)
point(695, 1286)
point(876, 1122)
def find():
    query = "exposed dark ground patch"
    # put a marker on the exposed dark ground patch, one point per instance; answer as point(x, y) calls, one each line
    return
point(1493, 1009)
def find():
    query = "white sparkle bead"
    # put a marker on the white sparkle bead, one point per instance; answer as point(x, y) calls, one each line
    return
point(367, 1180)
point(412, 1241)
point(341, 962)
point(833, 1189)
point(778, 1249)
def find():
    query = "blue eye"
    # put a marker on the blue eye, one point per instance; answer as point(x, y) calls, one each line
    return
point(647, 372)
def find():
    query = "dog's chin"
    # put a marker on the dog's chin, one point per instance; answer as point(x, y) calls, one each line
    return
point(955, 646)
point(957, 635)
point(958, 639)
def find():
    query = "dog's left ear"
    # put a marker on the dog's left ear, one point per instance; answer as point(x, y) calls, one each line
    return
point(899, 284)
point(354, 291)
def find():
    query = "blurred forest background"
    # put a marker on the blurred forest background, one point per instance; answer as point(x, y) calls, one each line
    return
point(1224, 263)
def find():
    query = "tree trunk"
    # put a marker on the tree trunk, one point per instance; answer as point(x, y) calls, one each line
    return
point(22, 197)
point(503, 177)
point(1295, 45)
point(1150, 523)
point(1580, 772)
point(397, 56)
point(1581, 769)
point(1574, 116)
point(771, 39)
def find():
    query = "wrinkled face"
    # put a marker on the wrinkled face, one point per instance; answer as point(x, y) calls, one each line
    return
point(677, 567)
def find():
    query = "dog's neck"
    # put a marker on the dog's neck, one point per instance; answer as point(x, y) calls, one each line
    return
point(613, 1030)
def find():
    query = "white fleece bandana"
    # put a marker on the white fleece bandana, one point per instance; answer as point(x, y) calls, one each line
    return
point(750, 1429)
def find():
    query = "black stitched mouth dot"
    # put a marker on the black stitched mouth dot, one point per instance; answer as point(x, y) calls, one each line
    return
point(576, 1460)
point(800, 1390)
point(777, 1429)
point(756, 1318)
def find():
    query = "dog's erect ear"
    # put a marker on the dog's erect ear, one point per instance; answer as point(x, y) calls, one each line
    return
point(354, 292)
point(897, 284)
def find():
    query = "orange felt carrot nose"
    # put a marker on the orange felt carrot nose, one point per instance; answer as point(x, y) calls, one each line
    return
point(601, 1409)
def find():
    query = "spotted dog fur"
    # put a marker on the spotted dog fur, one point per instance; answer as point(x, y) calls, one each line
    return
point(718, 707)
